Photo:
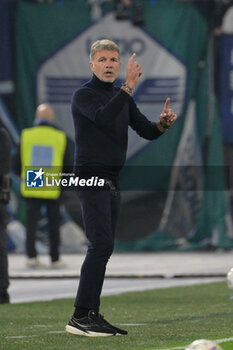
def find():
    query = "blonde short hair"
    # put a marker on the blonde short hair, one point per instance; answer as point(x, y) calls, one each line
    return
point(103, 44)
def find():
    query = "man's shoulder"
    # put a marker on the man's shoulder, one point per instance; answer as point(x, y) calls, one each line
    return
point(86, 89)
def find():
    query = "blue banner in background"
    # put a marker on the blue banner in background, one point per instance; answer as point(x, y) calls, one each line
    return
point(226, 87)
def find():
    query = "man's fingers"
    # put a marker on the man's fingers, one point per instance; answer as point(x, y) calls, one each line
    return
point(132, 58)
point(167, 119)
point(166, 105)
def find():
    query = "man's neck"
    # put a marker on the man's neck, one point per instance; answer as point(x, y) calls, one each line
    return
point(102, 84)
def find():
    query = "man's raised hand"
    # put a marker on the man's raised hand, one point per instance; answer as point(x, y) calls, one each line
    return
point(133, 72)
point(167, 117)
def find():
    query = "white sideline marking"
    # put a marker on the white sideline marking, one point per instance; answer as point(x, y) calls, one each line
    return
point(175, 348)
point(56, 332)
point(31, 336)
point(20, 336)
point(41, 326)
point(132, 324)
point(182, 347)
point(223, 340)
point(125, 324)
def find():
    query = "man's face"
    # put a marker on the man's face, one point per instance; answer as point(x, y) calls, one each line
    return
point(106, 65)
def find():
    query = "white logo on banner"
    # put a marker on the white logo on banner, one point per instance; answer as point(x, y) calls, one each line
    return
point(163, 74)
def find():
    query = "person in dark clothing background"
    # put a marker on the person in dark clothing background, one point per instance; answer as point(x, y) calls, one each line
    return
point(102, 114)
point(42, 146)
point(5, 163)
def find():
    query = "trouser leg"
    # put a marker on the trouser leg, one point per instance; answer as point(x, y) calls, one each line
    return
point(100, 211)
point(4, 280)
point(53, 209)
point(33, 206)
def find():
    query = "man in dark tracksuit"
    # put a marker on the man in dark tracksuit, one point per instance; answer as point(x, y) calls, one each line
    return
point(5, 156)
point(102, 114)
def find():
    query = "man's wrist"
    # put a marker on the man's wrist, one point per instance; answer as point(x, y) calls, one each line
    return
point(160, 127)
point(127, 88)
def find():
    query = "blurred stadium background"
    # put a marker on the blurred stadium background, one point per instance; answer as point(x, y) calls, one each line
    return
point(176, 192)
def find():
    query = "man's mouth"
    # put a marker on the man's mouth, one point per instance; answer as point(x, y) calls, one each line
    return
point(108, 73)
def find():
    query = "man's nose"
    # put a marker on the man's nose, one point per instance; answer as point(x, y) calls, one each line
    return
point(108, 63)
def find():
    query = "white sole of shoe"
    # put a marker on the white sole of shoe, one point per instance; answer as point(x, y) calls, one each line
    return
point(77, 331)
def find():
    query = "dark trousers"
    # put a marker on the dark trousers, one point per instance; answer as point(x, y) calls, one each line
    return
point(33, 214)
point(100, 209)
point(4, 218)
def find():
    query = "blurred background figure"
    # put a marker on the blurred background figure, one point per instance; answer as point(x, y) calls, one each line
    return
point(42, 146)
point(5, 156)
point(124, 9)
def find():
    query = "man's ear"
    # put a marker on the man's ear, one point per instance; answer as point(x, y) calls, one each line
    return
point(91, 65)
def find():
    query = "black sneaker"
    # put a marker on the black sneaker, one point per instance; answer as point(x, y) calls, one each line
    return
point(4, 298)
point(118, 330)
point(90, 326)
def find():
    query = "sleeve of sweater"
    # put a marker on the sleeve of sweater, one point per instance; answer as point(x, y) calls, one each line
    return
point(143, 127)
point(88, 103)
point(68, 157)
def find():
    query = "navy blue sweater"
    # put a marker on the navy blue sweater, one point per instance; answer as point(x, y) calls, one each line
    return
point(102, 114)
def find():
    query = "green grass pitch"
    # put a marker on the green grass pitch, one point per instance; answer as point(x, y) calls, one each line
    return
point(155, 319)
